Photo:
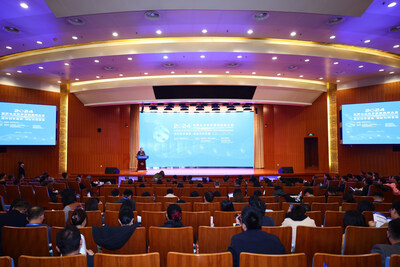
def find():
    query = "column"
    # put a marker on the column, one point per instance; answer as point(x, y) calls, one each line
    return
point(332, 128)
point(63, 128)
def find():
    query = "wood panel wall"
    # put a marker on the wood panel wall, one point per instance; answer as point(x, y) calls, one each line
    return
point(379, 158)
point(37, 159)
point(287, 126)
point(90, 151)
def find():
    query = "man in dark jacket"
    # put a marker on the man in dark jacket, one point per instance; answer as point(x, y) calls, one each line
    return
point(15, 217)
point(393, 235)
point(127, 196)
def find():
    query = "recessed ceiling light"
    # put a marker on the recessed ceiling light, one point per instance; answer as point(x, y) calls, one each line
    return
point(253, 73)
point(250, 31)
point(335, 63)
point(338, 81)
point(204, 31)
point(307, 60)
point(382, 70)
point(262, 15)
point(19, 71)
point(75, 37)
point(76, 79)
point(115, 34)
point(200, 71)
point(58, 81)
point(239, 56)
point(39, 42)
point(11, 29)
point(165, 57)
point(172, 72)
point(76, 21)
point(279, 74)
point(24, 5)
point(367, 41)
point(8, 47)
point(96, 61)
point(274, 58)
point(146, 73)
point(98, 77)
point(301, 76)
point(66, 64)
point(129, 58)
point(321, 78)
point(120, 75)
point(202, 56)
point(396, 46)
point(227, 72)
point(40, 67)
point(8, 73)
point(332, 37)
point(152, 14)
point(361, 66)
point(158, 31)
point(392, 4)
point(293, 34)
point(391, 72)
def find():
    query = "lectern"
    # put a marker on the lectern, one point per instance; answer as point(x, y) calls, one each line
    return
point(142, 163)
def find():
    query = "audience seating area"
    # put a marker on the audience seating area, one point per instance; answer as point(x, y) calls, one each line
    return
point(211, 228)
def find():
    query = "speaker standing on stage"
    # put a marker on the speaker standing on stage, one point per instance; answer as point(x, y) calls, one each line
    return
point(141, 152)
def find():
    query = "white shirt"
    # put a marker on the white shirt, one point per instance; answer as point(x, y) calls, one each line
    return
point(289, 222)
point(83, 247)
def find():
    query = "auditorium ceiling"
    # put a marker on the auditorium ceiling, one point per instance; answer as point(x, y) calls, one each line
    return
point(114, 52)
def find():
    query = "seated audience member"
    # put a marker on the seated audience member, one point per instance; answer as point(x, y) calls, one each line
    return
point(395, 185)
point(127, 196)
point(130, 181)
point(237, 183)
point(217, 194)
point(365, 205)
point(330, 191)
point(348, 198)
point(252, 239)
point(208, 197)
point(227, 205)
point(3, 177)
point(353, 218)
point(113, 238)
point(79, 180)
point(378, 197)
point(308, 192)
point(64, 175)
point(69, 243)
point(217, 184)
point(115, 192)
point(170, 193)
point(259, 205)
point(268, 182)
point(257, 193)
point(204, 180)
point(380, 220)
point(69, 202)
point(199, 185)
point(256, 184)
point(146, 194)
point(92, 204)
point(184, 178)
point(36, 218)
point(295, 217)
point(79, 219)
point(174, 217)
point(238, 197)
point(181, 201)
point(142, 185)
point(16, 181)
point(225, 178)
point(278, 191)
point(16, 216)
point(194, 194)
point(393, 234)
point(180, 185)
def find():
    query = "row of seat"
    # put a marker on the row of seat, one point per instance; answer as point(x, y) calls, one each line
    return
point(175, 259)
point(309, 240)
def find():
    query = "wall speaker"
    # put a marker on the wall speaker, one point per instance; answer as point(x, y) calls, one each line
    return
point(396, 148)
point(99, 130)
point(3, 149)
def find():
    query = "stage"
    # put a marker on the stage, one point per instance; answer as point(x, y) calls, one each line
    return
point(208, 172)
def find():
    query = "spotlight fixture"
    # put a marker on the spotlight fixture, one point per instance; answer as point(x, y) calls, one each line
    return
point(153, 107)
point(395, 28)
point(152, 15)
point(246, 107)
point(109, 68)
point(335, 20)
point(200, 107)
point(262, 15)
point(11, 29)
point(76, 21)
point(169, 107)
point(215, 107)
point(184, 107)
point(231, 108)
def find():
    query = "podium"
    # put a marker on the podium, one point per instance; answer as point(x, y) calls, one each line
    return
point(142, 163)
